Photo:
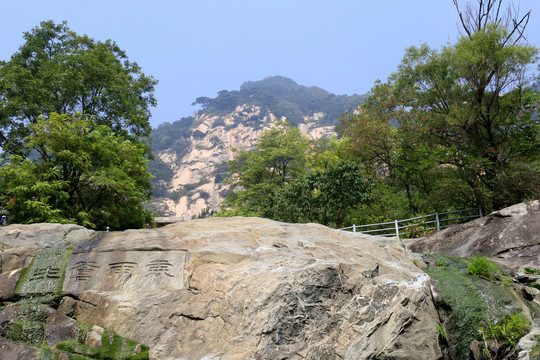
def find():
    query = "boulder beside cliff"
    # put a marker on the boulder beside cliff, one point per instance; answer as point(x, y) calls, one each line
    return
point(239, 288)
point(249, 288)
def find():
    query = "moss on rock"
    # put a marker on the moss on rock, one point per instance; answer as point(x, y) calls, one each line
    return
point(26, 323)
point(474, 302)
point(45, 274)
point(26, 332)
point(112, 347)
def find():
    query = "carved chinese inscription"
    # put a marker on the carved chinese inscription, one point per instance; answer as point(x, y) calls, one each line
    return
point(125, 271)
point(44, 273)
point(84, 270)
point(159, 268)
point(123, 268)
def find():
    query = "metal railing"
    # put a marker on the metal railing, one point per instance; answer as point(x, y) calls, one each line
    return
point(418, 225)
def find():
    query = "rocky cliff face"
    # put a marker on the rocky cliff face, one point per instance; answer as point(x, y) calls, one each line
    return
point(192, 152)
point(214, 140)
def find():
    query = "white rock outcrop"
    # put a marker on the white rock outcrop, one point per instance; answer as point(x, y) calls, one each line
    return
point(214, 141)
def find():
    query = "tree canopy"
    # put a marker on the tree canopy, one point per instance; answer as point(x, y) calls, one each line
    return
point(290, 178)
point(57, 70)
point(284, 98)
point(280, 156)
point(83, 173)
point(73, 116)
point(457, 126)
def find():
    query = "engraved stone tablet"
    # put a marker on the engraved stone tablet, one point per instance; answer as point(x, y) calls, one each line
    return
point(125, 271)
point(45, 273)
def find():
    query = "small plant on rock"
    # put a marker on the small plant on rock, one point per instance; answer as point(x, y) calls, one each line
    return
point(531, 271)
point(441, 263)
point(484, 268)
point(442, 332)
point(508, 331)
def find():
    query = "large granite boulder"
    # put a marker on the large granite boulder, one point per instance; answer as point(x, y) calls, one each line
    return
point(240, 288)
point(19, 243)
point(510, 236)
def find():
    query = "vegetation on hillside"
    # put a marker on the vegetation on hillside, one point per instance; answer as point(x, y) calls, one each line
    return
point(452, 128)
point(83, 173)
point(467, 132)
point(284, 98)
point(289, 177)
point(275, 95)
point(477, 307)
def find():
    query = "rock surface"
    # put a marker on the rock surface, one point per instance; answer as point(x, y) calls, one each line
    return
point(511, 237)
point(248, 288)
point(243, 288)
point(20, 243)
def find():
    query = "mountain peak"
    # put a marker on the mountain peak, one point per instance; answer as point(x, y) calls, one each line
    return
point(191, 154)
point(282, 97)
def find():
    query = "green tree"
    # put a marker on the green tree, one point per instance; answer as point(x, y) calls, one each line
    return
point(323, 196)
point(379, 136)
point(291, 178)
point(465, 119)
point(280, 156)
point(83, 173)
point(57, 70)
point(471, 100)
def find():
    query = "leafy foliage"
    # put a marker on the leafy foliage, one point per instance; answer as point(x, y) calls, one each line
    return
point(455, 127)
point(162, 176)
point(532, 271)
point(279, 157)
point(280, 96)
point(288, 178)
point(474, 301)
point(82, 173)
point(173, 136)
point(323, 196)
point(484, 268)
point(57, 70)
point(509, 330)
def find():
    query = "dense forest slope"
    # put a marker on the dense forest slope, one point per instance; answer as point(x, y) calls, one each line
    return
point(191, 154)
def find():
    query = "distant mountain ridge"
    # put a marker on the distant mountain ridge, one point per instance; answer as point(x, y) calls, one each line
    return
point(284, 98)
point(191, 154)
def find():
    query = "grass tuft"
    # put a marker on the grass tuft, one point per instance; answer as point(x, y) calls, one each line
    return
point(485, 268)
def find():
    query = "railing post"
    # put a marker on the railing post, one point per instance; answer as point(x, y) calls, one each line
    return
point(397, 228)
point(438, 223)
point(354, 228)
point(480, 211)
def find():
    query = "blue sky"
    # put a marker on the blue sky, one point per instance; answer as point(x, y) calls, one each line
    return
point(199, 47)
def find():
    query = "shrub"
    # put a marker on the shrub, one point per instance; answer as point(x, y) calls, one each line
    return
point(442, 332)
point(531, 271)
point(509, 330)
point(484, 268)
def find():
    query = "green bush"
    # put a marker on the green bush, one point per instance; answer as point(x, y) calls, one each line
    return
point(484, 268)
point(532, 271)
point(509, 330)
